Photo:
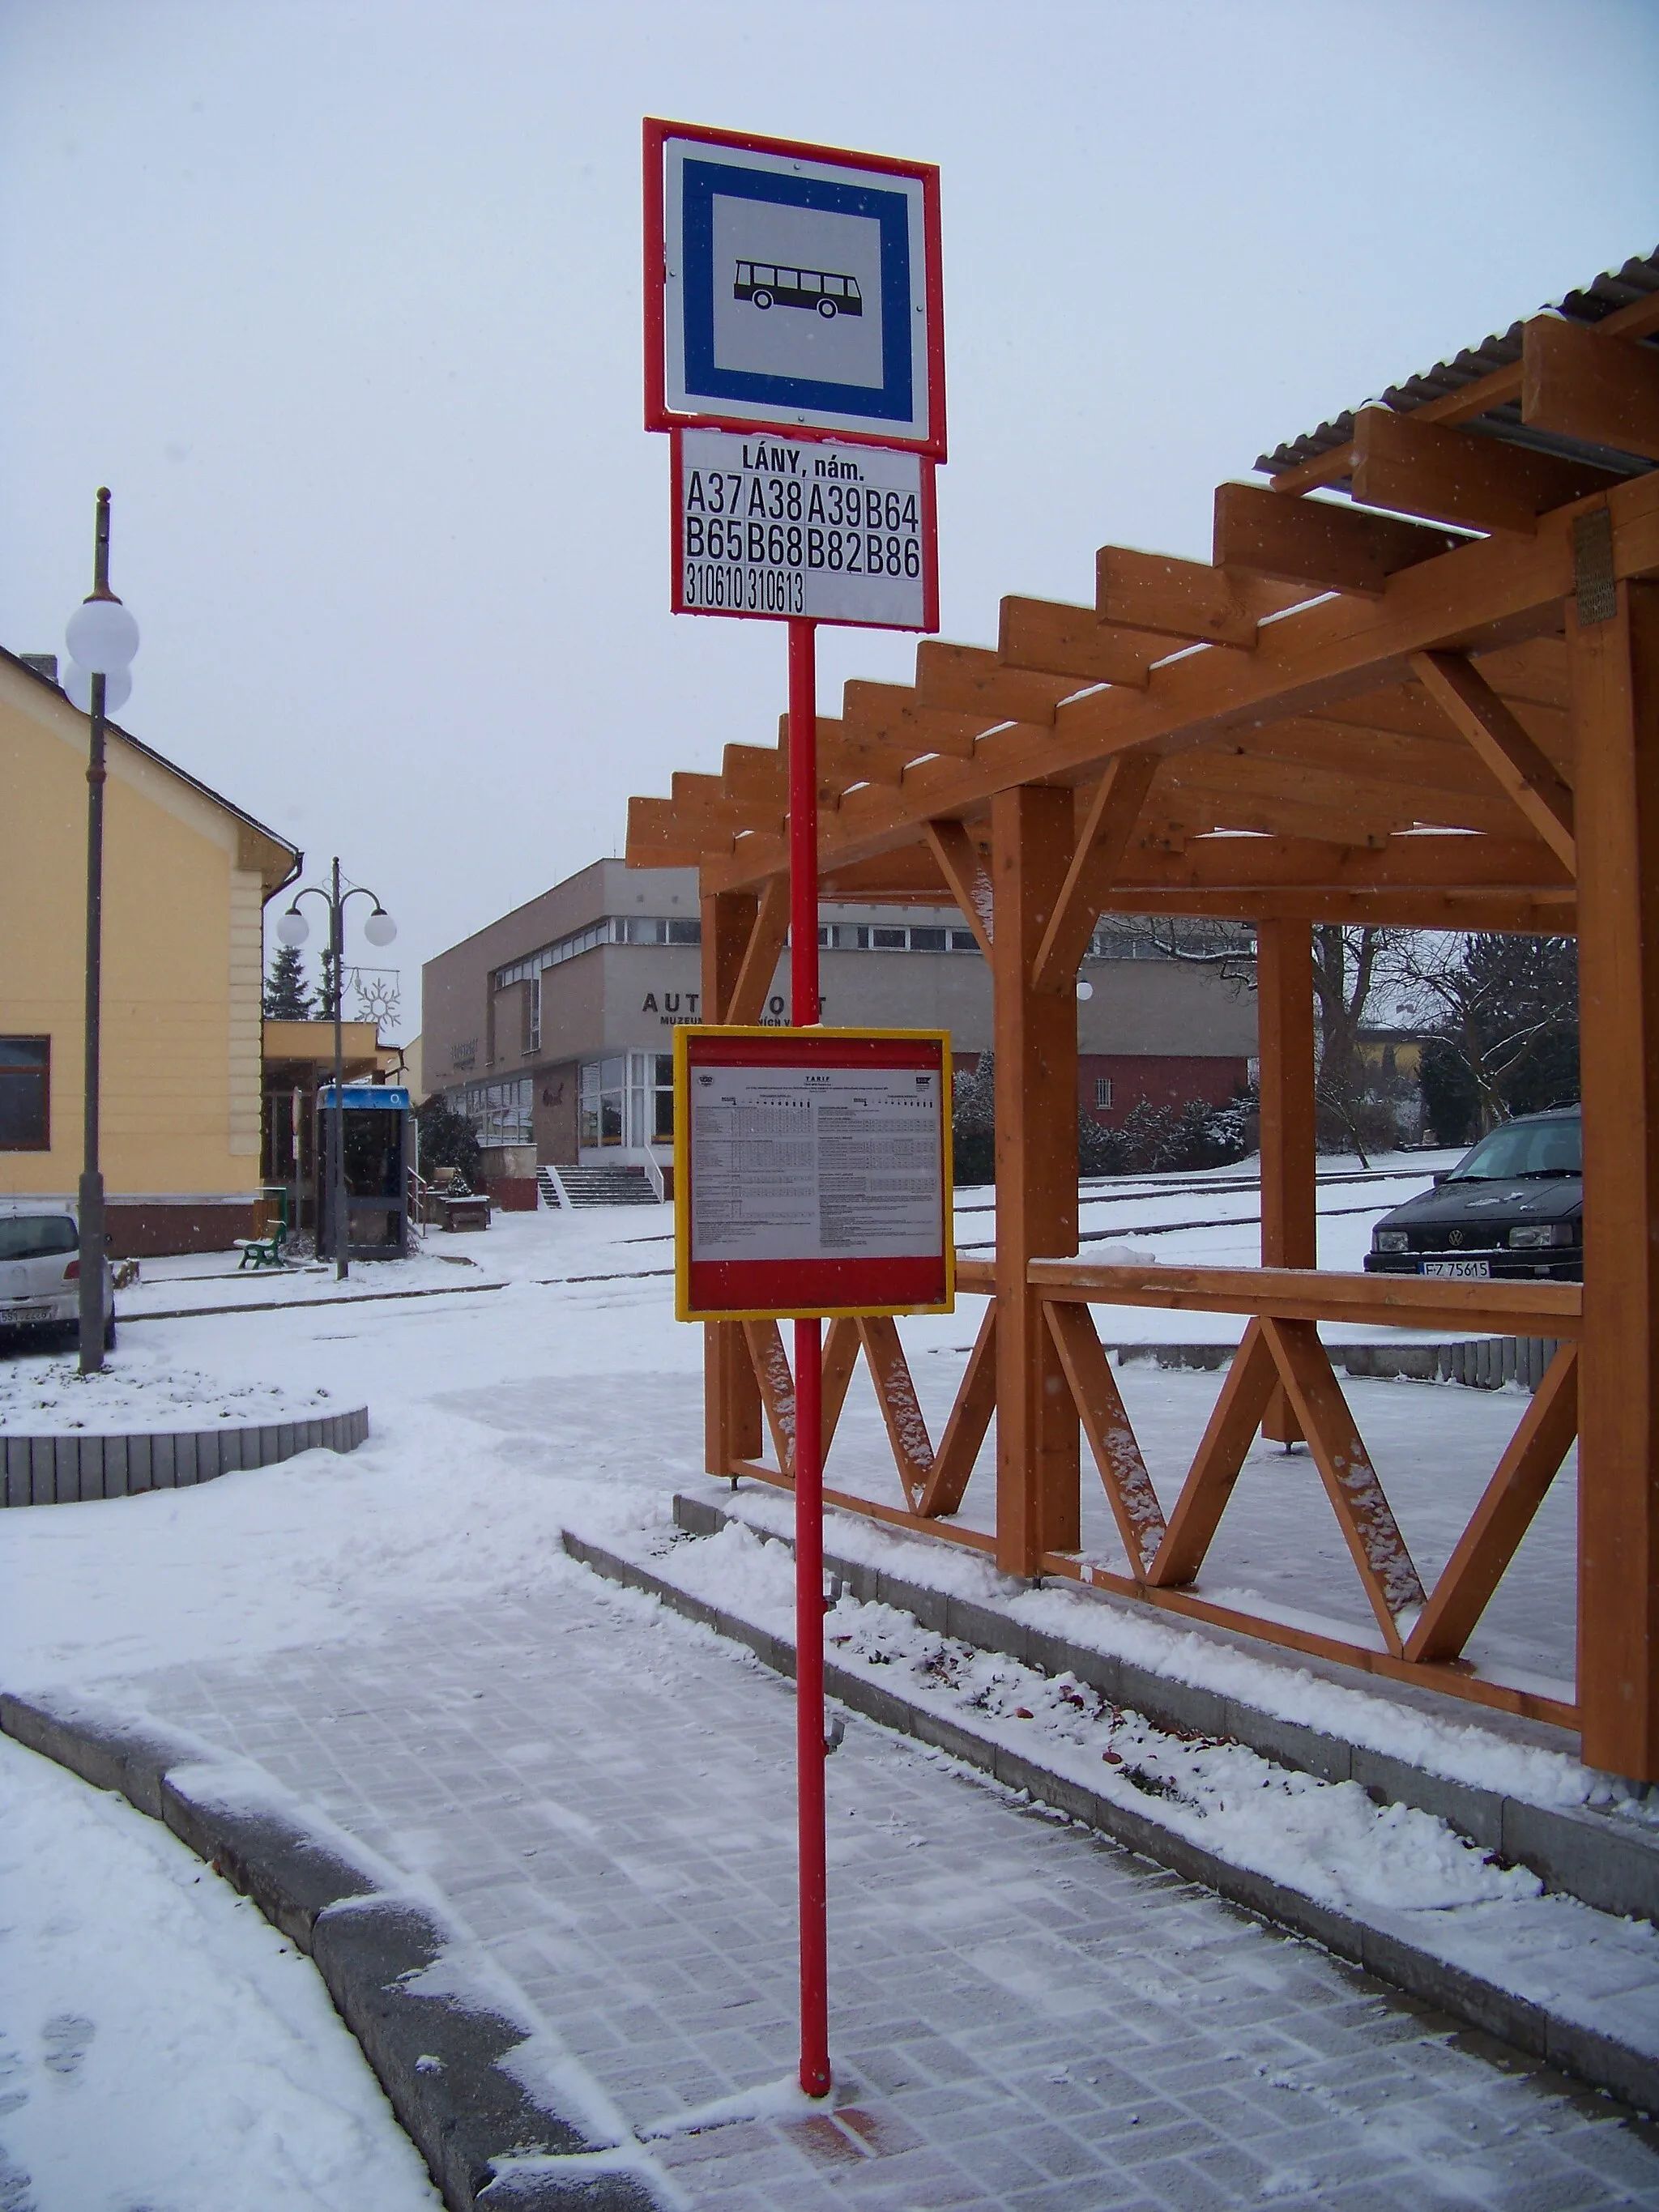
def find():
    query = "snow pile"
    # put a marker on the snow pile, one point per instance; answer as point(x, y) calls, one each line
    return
point(1459, 1750)
point(131, 1971)
point(139, 1390)
point(1327, 1839)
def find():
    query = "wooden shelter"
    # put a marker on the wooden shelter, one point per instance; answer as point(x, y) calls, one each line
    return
point(1419, 685)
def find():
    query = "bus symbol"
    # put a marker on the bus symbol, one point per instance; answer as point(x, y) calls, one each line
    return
point(765, 284)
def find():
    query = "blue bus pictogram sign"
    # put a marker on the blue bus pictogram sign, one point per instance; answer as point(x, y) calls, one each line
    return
point(739, 227)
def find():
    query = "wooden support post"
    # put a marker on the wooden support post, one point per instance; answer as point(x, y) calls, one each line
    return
point(1284, 1042)
point(1038, 1437)
point(1614, 665)
point(730, 1396)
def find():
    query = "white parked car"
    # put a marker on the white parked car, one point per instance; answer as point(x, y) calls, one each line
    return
point(41, 1273)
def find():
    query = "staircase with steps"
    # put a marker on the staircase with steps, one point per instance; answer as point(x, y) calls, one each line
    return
point(618, 1186)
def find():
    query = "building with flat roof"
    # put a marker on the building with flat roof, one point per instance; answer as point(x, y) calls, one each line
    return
point(550, 1029)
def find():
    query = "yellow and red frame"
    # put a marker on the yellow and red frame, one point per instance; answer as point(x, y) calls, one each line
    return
point(782, 1289)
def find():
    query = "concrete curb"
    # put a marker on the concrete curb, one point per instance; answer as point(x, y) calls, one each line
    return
point(438, 2058)
point(1481, 1362)
point(1530, 2027)
point(1587, 1855)
point(69, 1470)
point(305, 1306)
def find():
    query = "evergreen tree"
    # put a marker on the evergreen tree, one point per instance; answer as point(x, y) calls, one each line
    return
point(287, 997)
point(972, 1118)
point(449, 1139)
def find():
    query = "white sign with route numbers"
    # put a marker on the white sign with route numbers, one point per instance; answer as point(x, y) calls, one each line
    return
point(784, 528)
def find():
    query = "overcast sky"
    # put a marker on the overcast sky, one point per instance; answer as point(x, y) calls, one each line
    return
point(343, 302)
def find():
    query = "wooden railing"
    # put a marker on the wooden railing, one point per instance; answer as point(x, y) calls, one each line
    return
point(1420, 1632)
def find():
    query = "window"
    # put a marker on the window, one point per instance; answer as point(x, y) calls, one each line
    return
point(25, 1094)
point(603, 1098)
point(38, 1236)
point(614, 929)
point(627, 1099)
point(859, 937)
point(502, 1113)
point(1102, 1090)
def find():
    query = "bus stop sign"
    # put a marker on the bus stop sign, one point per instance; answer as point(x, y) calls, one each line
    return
point(792, 286)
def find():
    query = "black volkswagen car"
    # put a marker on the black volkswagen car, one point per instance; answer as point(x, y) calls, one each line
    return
point(1513, 1206)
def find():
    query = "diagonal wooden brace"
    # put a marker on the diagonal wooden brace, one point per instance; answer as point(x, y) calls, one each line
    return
point(1503, 1515)
point(901, 1408)
point(777, 1387)
point(1375, 1543)
point(841, 1353)
point(965, 1432)
point(1515, 759)
point(1108, 826)
point(1226, 1440)
point(965, 871)
point(1112, 1438)
point(760, 957)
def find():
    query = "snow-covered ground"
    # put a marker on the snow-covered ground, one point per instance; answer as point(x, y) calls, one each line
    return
point(146, 1387)
point(160, 2044)
point(273, 1605)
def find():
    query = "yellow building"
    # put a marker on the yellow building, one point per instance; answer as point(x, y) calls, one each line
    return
point(186, 876)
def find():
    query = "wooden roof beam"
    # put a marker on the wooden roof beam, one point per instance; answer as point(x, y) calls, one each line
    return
point(849, 755)
point(1317, 544)
point(1422, 860)
point(1477, 483)
point(1494, 593)
point(1184, 601)
point(701, 799)
point(892, 710)
point(1521, 768)
point(661, 835)
point(968, 679)
point(760, 774)
point(1073, 641)
point(1584, 384)
point(1519, 913)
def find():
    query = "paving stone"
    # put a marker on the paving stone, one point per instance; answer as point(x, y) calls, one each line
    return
point(1025, 2015)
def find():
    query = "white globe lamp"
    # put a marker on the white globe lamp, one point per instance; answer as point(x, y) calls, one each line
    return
point(292, 928)
point(379, 928)
point(78, 683)
point(101, 635)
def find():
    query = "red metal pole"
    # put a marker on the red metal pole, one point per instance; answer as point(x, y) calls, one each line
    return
point(809, 1399)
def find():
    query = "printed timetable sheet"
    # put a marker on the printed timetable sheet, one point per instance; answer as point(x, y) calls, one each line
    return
point(811, 1162)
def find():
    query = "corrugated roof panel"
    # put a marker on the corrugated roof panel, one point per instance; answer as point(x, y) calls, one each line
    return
point(1617, 287)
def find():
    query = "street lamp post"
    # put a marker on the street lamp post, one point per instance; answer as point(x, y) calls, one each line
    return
point(102, 638)
point(292, 928)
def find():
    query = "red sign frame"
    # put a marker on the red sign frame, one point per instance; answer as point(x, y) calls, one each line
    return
point(805, 1287)
point(658, 416)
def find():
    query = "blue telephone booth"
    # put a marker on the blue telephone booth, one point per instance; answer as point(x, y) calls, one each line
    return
point(378, 1135)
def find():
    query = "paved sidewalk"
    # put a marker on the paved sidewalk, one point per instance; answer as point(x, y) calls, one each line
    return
point(1024, 2015)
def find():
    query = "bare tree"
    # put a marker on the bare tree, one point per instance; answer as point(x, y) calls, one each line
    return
point(1227, 947)
point(1348, 965)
